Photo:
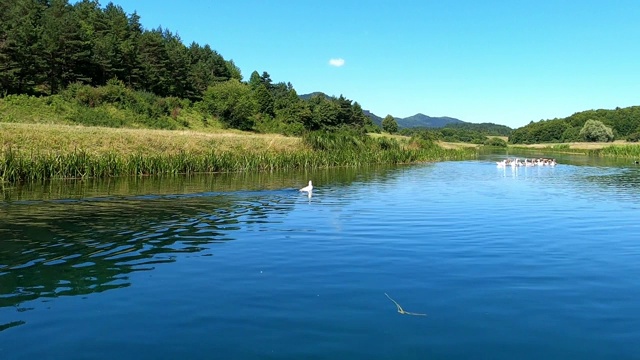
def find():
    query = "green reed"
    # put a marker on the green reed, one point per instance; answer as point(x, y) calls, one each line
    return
point(618, 151)
point(18, 166)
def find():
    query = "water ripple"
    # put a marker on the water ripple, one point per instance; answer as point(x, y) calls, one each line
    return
point(92, 242)
point(531, 263)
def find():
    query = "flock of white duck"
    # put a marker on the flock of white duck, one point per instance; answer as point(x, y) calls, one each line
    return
point(526, 162)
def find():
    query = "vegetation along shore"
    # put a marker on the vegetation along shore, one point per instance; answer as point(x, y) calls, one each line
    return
point(39, 152)
point(86, 91)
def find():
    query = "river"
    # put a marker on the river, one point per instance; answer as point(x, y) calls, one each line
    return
point(524, 263)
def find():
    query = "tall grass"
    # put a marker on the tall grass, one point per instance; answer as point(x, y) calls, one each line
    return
point(618, 151)
point(19, 167)
point(322, 150)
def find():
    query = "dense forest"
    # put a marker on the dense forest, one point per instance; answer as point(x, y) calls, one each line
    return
point(484, 128)
point(96, 56)
point(463, 132)
point(623, 122)
point(448, 134)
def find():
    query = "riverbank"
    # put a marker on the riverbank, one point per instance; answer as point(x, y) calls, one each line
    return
point(36, 152)
point(618, 148)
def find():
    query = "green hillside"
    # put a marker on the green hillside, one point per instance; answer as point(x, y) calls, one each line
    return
point(625, 123)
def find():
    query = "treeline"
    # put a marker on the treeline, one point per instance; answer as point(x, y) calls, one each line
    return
point(99, 57)
point(623, 122)
point(45, 45)
point(453, 134)
point(485, 128)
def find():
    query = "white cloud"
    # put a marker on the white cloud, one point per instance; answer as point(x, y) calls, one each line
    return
point(336, 62)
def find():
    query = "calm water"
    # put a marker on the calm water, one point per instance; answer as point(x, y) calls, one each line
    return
point(538, 263)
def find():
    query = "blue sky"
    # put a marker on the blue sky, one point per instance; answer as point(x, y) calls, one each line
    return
point(508, 62)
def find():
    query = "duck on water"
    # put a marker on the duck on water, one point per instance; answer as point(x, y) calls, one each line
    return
point(308, 188)
point(526, 162)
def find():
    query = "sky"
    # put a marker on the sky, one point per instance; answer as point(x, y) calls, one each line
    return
point(508, 62)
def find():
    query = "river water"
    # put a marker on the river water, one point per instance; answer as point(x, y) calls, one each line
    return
point(528, 263)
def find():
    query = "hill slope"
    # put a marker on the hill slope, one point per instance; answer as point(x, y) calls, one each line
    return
point(625, 123)
point(425, 121)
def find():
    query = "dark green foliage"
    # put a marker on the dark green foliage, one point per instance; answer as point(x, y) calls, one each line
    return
point(423, 134)
point(333, 113)
point(151, 111)
point(95, 117)
point(232, 102)
point(20, 49)
point(389, 124)
point(635, 137)
point(47, 45)
point(99, 56)
point(207, 68)
point(550, 131)
point(449, 134)
point(234, 71)
point(497, 142)
point(571, 134)
point(361, 120)
point(490, 129)
point(264, 99)
point(65, 49)
point(622, 121)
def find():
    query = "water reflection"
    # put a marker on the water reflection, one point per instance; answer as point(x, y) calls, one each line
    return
point(62, 248)
point(81, 237)
point(621, 180)
point(562, 157)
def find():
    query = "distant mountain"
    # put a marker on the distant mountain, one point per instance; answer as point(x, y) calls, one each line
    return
point(415, 121)
point(375, 118)
point(422, 120)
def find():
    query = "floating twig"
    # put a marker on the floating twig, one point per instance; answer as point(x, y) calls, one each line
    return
point(401, 310)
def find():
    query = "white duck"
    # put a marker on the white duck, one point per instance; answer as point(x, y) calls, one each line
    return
point(308, 188)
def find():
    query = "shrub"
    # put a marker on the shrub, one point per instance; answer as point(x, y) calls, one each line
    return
point(389, 124)
point(497, 142)
point(95, 117)
point(594, 130)
point(635, 137)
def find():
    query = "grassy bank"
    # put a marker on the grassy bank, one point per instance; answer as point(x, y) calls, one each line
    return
point(36, 152)
point(618, 148)
point(61, 139)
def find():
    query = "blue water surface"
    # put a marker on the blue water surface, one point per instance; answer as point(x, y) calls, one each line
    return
point(526, 263)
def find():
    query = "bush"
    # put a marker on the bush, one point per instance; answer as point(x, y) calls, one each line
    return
point(497, 142)
point(231, 101)
point(635, 137)
point(341, 140)
point(385, 143)
point(389, 124)
point(596, 131)
point(95, 117)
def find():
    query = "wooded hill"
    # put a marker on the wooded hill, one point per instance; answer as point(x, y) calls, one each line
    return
point(99, 57)
point(625, 123)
